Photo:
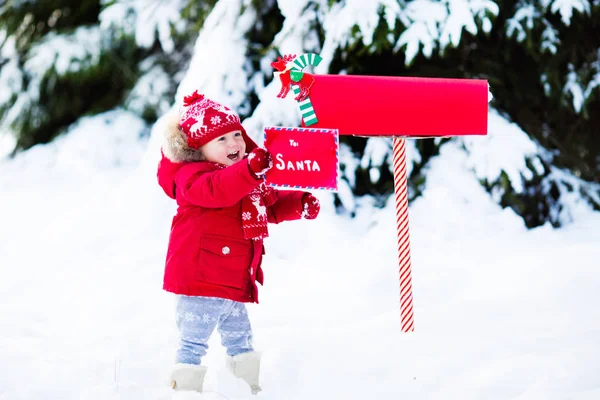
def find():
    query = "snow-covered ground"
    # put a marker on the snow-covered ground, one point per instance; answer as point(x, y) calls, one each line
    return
point(501, 312)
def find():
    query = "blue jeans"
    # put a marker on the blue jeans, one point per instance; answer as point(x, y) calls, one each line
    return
point(197, 318)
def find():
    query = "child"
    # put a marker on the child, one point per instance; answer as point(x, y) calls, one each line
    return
point(216, 244)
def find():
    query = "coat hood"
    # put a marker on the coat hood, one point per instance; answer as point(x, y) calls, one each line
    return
point(167, 170)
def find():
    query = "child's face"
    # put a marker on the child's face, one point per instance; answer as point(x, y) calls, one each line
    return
point(226, 149)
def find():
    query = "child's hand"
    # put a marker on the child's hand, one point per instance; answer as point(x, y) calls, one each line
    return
point(310, 206)
point(259, 161)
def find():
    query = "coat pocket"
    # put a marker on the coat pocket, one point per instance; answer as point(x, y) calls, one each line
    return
point(224, 261)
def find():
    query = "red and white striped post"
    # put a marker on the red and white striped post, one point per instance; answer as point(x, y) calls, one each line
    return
point(403, 232)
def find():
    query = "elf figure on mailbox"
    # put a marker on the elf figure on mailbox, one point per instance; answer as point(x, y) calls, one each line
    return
point(215, 172)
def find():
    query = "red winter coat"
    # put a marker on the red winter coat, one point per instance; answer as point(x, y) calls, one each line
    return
point(207, 253)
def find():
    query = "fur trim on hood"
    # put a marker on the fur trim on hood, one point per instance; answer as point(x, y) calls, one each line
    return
point(175, 146)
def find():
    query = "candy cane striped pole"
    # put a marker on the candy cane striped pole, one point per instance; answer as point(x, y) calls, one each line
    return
point(401, 192)
point(306, 108)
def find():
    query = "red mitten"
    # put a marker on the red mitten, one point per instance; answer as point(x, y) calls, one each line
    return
point(259, 161)
point(310, 206)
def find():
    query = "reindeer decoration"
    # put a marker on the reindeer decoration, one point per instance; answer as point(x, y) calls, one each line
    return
point(289, 77)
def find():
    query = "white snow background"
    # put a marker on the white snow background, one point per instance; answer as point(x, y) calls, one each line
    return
point(501, 312)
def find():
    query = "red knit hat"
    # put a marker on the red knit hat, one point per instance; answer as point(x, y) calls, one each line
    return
point(203, 119)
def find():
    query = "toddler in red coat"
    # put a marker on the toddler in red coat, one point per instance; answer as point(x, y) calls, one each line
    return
point(215, 172)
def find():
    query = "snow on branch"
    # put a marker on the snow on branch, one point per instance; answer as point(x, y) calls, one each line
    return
point(550, 40)
point(530, 14)
point(422, 19)
point(343, 18)
point(62, 52)
point(523, 21)
point(65, 52)
point(146, 20)
point(430, 24)
point(151, 89)
point(439, 24)
point(566, 8)
point(574, 88)
point(11, 77)
point(504, 149)
point(580, 90)
point(298, 35)
point(217, 66)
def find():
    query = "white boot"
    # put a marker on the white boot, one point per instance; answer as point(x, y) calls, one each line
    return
point(246, 366)
point(188, 377)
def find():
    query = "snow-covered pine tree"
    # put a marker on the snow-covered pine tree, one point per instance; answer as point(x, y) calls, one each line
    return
point(58, 67)
point(541, 58)
point(65, 59)
point(550, 90)
point(538, 57)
